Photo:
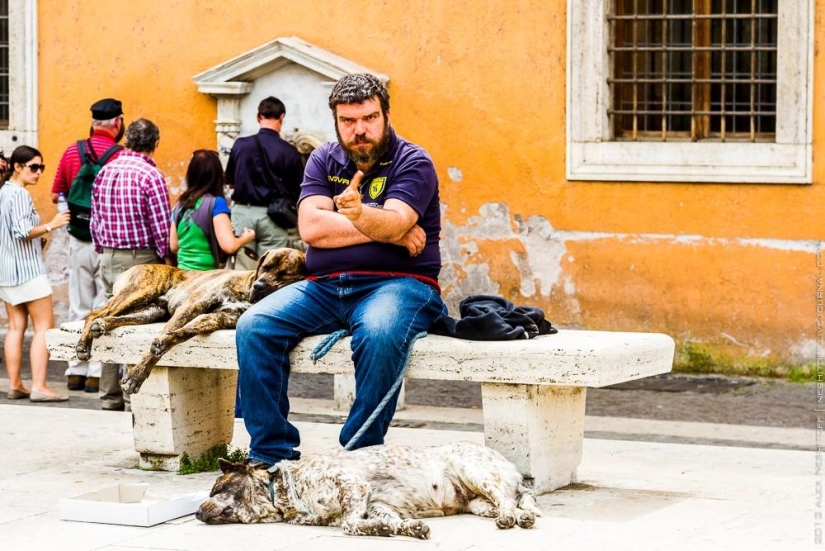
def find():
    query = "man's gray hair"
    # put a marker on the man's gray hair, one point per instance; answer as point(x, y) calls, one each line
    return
point(142, 136)
point(108, 123)
point(358, 88)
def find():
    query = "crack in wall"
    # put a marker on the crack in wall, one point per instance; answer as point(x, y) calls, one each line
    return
point(539, 253)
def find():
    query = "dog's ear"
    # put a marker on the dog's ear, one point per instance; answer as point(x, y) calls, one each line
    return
point(301, 264)
point(261, 262)
point(225, 465)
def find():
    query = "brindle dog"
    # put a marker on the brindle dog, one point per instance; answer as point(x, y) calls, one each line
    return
point(198, 303)
point(375, 491)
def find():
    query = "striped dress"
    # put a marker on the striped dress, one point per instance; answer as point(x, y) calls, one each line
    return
point(20, 258)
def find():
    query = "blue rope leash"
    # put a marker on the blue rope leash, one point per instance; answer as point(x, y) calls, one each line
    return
point(390, 393)
point(325, 345)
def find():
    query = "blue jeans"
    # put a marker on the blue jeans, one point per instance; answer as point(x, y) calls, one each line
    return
point(383, 315)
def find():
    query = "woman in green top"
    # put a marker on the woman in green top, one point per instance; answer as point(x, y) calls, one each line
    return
point(202, 234)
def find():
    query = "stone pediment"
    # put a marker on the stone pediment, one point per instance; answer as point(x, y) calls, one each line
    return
point(296, 72)
point(270, 57)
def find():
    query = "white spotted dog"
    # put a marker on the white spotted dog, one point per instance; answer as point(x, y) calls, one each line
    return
point(375, 491)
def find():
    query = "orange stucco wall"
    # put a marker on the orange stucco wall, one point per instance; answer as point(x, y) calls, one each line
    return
point(729, 270)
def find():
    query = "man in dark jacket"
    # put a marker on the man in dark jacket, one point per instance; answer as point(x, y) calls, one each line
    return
point(256, 164)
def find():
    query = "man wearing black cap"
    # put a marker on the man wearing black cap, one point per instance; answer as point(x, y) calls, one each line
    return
point(85, 282)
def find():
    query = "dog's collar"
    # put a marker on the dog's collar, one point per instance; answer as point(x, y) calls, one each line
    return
point(272, 489)
point(271, 472)
point(289, 483)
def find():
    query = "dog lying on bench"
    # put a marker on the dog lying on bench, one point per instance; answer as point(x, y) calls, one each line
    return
point(374, 491)
point(198, 303)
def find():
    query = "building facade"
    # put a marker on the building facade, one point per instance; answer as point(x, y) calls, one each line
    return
point(621, 170)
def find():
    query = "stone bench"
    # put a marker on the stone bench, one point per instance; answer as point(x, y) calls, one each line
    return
point(533, 391)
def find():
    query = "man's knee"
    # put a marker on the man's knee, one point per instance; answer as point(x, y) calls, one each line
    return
point(382, 336)
point(255, 323)
point(246, 323)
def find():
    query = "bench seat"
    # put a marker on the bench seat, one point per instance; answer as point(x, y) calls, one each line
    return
point(533, 391)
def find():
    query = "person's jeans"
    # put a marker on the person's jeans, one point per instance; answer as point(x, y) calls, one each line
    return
point(383, 314)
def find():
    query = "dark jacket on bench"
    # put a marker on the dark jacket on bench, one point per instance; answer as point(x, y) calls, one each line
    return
point(491, 318)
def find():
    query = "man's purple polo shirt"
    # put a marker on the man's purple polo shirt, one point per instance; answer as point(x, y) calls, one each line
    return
point(405, 173)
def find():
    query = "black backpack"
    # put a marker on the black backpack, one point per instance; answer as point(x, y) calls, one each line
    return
point(80, 192)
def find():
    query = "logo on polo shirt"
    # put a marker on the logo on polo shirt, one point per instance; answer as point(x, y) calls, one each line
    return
point(377, 186)
point(337, 179)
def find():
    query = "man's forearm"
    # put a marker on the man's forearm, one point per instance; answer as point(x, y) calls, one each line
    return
point(337, 231)
point(383, 225)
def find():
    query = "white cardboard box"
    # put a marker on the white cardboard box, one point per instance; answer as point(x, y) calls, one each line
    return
point(129, 504)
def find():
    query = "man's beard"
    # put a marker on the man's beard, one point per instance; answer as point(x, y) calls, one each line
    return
point(368, 156)
point(120, 132)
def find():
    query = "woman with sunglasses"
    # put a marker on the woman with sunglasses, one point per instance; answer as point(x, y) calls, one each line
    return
point(201, 233)
point(24, 287)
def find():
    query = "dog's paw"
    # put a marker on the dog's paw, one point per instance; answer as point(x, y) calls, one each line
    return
point(98, 328)
point(132, 382)
point(378, 527)
point(506, 521)
point(415, 529)
point(368, 527)
point(83, 353)
point(525, 519)
point(157, 349)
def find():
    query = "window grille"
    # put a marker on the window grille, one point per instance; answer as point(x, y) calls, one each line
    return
point(4, 64)
point(693, 70)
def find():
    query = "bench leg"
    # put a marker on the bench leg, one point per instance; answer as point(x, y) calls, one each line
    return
point(539, 428)
point(344, 392)
point(182, 409)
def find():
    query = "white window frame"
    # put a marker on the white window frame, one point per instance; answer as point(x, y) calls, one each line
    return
point(592, 156)
point(22, 76)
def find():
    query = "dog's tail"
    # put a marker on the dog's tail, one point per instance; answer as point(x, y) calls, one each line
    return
point(526, 499)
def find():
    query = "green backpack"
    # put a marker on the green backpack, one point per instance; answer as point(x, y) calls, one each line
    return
point(80, 192)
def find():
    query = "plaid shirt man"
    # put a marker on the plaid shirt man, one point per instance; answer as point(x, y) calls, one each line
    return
point(130, 205)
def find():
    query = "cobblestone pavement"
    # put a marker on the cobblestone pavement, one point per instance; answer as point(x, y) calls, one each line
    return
point(737, 401)
point(672, 397)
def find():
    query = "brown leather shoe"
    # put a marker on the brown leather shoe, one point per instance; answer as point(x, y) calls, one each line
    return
point(92, 384)
point(76, 382)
